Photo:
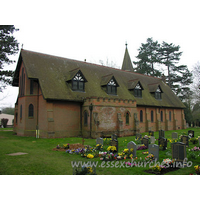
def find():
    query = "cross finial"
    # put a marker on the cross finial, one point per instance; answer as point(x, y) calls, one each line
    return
point(126, 44)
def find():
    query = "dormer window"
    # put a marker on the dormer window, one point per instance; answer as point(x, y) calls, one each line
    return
point(156, 90)
point(158, 93)
point(78, 83)
point(112, 87)
point(137, 90)
point(109, 84)
point(76, 80)
point(135, 87)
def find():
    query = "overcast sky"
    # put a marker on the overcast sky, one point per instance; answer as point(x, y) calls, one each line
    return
point(98, 30)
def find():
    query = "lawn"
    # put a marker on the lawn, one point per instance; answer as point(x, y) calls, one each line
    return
point(42, 160)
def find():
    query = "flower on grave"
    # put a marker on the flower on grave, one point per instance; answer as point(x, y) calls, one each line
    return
point(131, 150)
point(197, 169)
point(90, 169)
point(126, 150)
point(146, 152)
point(131, 155)
point(167, 161)
point(128, 163)
point(119, 157)
point(112, 148)
point(66, 146)
point(156, 168)
point(195, 149)
point(90, 156)
point(101, 158)
point(58, 147)
point(150, 156)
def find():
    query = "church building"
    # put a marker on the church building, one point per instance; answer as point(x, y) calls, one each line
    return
point(60, 97)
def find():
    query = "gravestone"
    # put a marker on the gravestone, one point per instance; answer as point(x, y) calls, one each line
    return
point(145, 141)
point(161, 133)
point(199, 140)
point(99, 141)
point(138, 136)
point(162, 142)
point(152, 140)
point(132, 145)
point(154, 149)
point(191, 133)
point(174, 135)
point(114, 137)
point(151, 133)
point(178, 151)
point(185, 140)
point(114, 143)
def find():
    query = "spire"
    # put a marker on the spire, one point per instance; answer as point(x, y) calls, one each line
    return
point(127, 64)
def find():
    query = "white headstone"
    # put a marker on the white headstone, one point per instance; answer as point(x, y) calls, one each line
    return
point(152, 140)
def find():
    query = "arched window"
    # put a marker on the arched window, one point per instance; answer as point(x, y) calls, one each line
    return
point(31, 86)
point(127, 118)
point(16, 116)
point(20, 112)
point(141, 116)
point(30, 110)
point(85, 118)
point(152, 116)
point(170, 116)
point(161, 116)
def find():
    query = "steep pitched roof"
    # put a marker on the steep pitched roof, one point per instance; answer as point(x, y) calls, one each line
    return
point(53, 72)
point(127, 64)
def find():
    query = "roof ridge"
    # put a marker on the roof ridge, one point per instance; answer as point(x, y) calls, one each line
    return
point(89, 63)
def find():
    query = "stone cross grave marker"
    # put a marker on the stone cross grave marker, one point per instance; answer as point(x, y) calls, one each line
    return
point(132, 148)
point(185, 140)
point(191, 133)
point(174, 135)
point(114, 143)
point(178, 151)
point(152, 140)
point(154, 149)
point(162, 142)
point(161, 133)
point(145, 141)
point(99, 141)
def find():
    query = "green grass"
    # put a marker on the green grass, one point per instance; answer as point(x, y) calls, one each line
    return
point(42, 160)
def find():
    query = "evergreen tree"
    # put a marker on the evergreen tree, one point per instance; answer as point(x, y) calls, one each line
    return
point(8, 46)
point(188, 113)
point(148, 56)
point(181, 78)
point(169, 55)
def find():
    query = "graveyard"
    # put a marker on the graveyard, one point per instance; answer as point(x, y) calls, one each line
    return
point(151, 153)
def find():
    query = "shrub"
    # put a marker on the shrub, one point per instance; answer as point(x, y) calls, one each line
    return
point(4, 122)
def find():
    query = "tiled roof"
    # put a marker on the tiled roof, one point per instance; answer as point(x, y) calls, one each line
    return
point(53, 73)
